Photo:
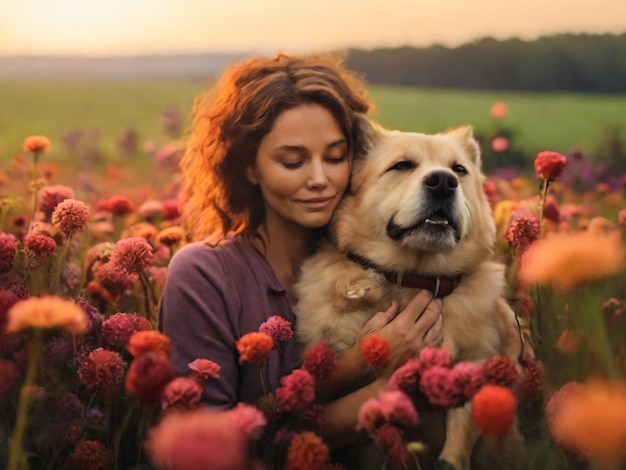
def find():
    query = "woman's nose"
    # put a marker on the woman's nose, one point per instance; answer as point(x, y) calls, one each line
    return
point(317, 175)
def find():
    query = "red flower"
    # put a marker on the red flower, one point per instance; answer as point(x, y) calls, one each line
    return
point(254, 347)
point(119, 205)
point(36, 144)
point(278, 328)
point(8, 245)
point(521, 231)
point(91, 455)
point(493, 410)
point(297, 391)
point(147, 376)
point(102, 370)
point(148, 341)
point(375, 350)
point(202, 369)
point(320, 360)
point(533, 377)
point(307, 451)
point(549, 165)
point(182, 394)
point(501, 370)
point(490, 189)
point(389, 439)
point(40, 244)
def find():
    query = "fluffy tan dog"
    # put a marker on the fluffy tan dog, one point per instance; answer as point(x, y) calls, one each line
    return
point(416, 217)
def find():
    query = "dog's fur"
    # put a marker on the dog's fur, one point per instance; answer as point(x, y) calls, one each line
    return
point(416, 204)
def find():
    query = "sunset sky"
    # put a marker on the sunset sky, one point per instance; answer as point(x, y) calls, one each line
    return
point(130, 27)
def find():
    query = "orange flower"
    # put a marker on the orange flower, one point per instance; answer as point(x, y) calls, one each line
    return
point(254, 347)
point(36, 144)
point(493, 409)
point(307, 450)
point(593, 421)
point(568, 341)
point(564, 260)
point(375, 350)
point(171, 236)
point(47, 312)
point(498, 110)
point(148, 341)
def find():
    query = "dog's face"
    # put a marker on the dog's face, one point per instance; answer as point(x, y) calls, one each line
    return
point(418, 197)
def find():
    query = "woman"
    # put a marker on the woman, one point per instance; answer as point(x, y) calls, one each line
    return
point(268, 160)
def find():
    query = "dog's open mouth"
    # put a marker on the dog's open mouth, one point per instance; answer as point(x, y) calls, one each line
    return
point(438, 222)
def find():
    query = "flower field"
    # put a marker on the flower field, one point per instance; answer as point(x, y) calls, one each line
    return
point(85, 378)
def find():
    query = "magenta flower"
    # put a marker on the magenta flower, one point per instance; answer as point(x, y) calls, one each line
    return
point(278, 328)
point(370, 415)
point(50, 196)
point(406, 377)
point(397, 408)
point(389, 439)
point(320, 360)
point(202, 369)
point(297, 391)
point(468, 377)
point(70, 216)
point(438, 384)
point(118, 328)
point(132, 254)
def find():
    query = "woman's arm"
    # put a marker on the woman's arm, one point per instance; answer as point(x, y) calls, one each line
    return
point(194, 314)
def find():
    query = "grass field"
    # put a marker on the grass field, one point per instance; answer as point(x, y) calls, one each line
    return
point(541, 121)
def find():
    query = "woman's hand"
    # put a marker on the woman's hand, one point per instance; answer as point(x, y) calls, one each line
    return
point(407, 332)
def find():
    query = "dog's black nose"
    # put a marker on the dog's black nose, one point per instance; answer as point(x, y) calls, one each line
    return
point(441, 183)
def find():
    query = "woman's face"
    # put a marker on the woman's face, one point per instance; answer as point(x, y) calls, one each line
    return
point(302, 167)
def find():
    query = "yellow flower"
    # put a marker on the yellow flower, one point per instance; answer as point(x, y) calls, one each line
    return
point(564, 260)
point(47, 312)
point(502, 212)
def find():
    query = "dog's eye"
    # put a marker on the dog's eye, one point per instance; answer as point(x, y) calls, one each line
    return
point(404, 165)
point(459, 170)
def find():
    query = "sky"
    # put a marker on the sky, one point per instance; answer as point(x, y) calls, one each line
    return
point(132, 27)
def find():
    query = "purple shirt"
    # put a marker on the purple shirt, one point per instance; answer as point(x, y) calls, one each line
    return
point(212, 297)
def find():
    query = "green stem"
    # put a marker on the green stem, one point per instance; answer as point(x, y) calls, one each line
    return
point(148, 293)
point(120, 431)
point(56, 278)
point(262, 375)
point(17, 456)
point(542, 205)
point(33, 179)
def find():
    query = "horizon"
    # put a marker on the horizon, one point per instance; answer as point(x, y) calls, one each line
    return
point(131, 28)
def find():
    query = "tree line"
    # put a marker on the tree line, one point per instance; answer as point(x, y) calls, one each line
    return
point(565, 62)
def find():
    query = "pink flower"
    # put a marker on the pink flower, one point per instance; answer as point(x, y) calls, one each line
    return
point(50, 196)
point(370, 415)
point(430, 357)
point(389, 439)
point(182, 393)
point(521, 231)
point(498, 110)
point(132, 254)
point(8, 245)
point(70, 216)
point(406, 377)
point(549, 165)
point(202, 369)
point(468, 378)
point(297, 391)
point(198, 440)
point(320, 361)
point(248, 419)
point(500, 144)
point(102, 370)
point(555, 402)
point(438, 384)
point(398, 408)
point(118, 328)
point(278, 328)
point(40, 244)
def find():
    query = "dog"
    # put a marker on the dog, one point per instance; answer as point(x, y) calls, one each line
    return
point(415, 216)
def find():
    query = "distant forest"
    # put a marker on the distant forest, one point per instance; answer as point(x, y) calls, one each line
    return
point(568, 62)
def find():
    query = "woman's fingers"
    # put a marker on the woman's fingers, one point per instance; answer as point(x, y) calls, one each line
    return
point(380, 320)
point(415, 309)
point(434, 334)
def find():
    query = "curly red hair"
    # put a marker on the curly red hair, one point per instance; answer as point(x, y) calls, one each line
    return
point(231, 120)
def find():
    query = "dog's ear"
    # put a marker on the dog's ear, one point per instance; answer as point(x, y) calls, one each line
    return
point(464, 136)
point(367, 133)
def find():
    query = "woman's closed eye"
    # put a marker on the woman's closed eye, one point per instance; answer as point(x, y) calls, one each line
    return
point(292, 165)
